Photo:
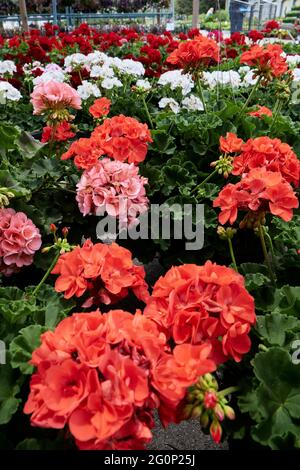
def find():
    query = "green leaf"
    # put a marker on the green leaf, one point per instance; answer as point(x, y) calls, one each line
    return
point(14, 307)
point(278, 396)
point(8, 390)
point(28, 146)
point(7, 181)
point(23, 345)
point(275, 327)
point(8, 136)
point(254, 281)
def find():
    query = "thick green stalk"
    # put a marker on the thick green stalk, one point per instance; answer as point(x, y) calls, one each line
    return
point(228, 391)
point(250, 96)
point(265, 251)
point(147, 112)
point(232, 254)
point(199, 86)
point(205, 180)
point(46, 274)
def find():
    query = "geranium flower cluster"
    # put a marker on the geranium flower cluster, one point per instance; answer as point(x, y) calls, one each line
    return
point(113, 187)
point(271, 154)
point(204, 305)
point(58, 133)
point(19, 240)
point(258, 192)
point(103, 376)
point(120, 137)
point(267, 60)
point(195, 54)
point(54, 97)
point(105, 273)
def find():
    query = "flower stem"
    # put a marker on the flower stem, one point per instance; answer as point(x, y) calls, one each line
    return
point(250, 96)
point(46, 274)
point(228, 391)
point(271, 247)
point(199, 86)
point(277, 109)
point(205, 180)
point(265, 251)
point(232, 254)
point(147, 112)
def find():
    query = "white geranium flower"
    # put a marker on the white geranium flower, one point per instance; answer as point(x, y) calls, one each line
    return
point(223, 78)
point(249, 79)
point(145, 85)
point(96, 58)
point(177, 79)
point(193, 103)
point(51, 72)
point(88, 89)
point(132, 67)
point(101, 71)
point(244, 69)
point(296, 74)
point(293, 60)
point(75, 59)
point(109, 83)
point(8, 92)
point(171, 103)
point(7, 66)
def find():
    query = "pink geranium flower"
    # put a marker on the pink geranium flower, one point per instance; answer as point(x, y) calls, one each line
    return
point(54, 95)
point(113, 187)
point(19, 240)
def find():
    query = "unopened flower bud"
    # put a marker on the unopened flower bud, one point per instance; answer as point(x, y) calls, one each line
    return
point(229, 412)
point(204, 419)
point(219, 412)
point(210, 399)
point(53, 228)
point(65, 232)
point(216, 431)
point(196, 412)
point(187, 411)
point(46, 249)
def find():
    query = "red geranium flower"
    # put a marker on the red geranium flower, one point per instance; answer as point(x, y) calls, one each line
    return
point(196, 53)
point(123, 138)
point(100, 107)
point(105, 272)
point(231, 143)
point(60, 133)
point(261, 111)
point(202, 305)
point(104, 375)
point(268, 60)
point(259, 191)
point(271, 154)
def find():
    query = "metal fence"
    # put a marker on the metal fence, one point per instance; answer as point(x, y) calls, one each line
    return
point(260, 12)
point(70, 18)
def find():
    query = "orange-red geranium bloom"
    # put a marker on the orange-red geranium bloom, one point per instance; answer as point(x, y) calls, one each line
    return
point(85, 153)
point(123, 138)
point(120, 137)
point(261, 111)
point(259, 191)
point(231, 143)
point(100, 107)
point(202, 305)
point(104, 375)
point(271, 154)
point(195, 53)
point(105, 272)
point(267, 60)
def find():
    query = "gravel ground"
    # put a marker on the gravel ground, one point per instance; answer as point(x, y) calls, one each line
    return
point(184, 436)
